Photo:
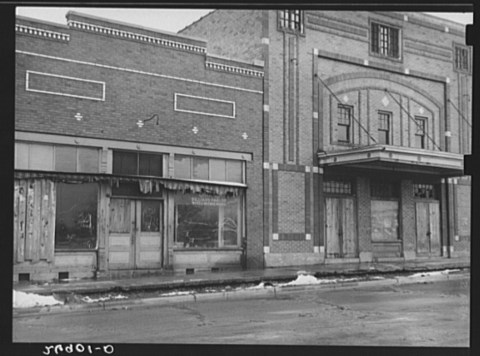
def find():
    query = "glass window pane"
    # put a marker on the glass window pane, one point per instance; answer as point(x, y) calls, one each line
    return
point(21, 155)
point(197, 225)
point(41, 157)
point(120, 213)
point(150, 220)
point(76, 216)
point(150, 164)
point(182, 167)
point(200, 168)
point(218, 170)
point(234, 171)
point(88, 160)
point(125, 163)
point(65, 159)
point(231, 220)
point(342, 133)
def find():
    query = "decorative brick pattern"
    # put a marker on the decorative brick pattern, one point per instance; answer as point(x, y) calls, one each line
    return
point(291, 246)
point(34, 31)
point(291, 201)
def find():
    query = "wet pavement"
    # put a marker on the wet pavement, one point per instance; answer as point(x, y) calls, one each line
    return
point(170, 282)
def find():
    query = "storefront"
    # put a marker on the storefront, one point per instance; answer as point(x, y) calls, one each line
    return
point(396, 195)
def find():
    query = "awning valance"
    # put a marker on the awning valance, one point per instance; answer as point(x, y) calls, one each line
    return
point(146, 184)
point(395, 158)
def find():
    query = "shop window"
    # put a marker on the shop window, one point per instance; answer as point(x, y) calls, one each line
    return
point(337, 187)
point(344, 122)
point(424, 191)
point(420, 130)
point(462, 59)
point(384, 127)
point(291, 20)
point(76, 216)
point(136, 163)
point(385, 41)
point(384, 190)
point(204, 221)
point(202, 168)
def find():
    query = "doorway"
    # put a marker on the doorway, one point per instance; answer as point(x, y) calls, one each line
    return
point(427, 216)
point(340, 228)
point(135, 236)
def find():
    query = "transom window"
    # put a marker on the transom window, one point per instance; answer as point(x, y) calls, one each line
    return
point(425, 191)
point(291, 20)
point(385, 40)
point(344, 119)
point(384, 190)
point(136, 163)
point(202, 168)
point(420, 129)
point(337, 187)
point(384, 127)
point(462, 59)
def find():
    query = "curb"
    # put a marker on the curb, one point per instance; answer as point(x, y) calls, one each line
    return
point(266, 292)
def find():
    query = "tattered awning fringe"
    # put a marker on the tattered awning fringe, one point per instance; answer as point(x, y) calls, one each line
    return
point(146, 185)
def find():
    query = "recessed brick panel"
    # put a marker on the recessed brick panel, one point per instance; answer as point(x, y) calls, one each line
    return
point(204, 106)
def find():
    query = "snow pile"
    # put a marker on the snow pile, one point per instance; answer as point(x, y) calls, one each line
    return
point(302, 279)
point(261, 286)
point(87, 299)
point(28, 300)
point(176, 293)
point(436, 273)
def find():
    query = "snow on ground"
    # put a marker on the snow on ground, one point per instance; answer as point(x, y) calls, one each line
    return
point(28, 300)
point(176, 293)
point(87, 299)
point(436, 273)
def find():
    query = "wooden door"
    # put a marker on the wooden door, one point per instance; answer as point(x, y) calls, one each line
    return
point(428, 228)
point(136, 230)
point(149, 232)
point(121, 236)
point(340, 228)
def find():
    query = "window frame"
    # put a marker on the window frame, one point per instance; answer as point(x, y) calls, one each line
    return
point(138, 153)
point(468, 58)
point(284, 22)
point(382, 115)
point(423, 134)
point(374, 43)
point(348, 126)
point(209, 169)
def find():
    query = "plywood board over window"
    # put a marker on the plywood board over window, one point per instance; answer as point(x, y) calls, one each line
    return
point(34, 220)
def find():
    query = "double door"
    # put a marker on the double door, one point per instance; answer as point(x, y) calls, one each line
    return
point(428, 228)
point(135, 234)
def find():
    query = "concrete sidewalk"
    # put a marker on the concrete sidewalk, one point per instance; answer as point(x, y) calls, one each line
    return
point(175, 281)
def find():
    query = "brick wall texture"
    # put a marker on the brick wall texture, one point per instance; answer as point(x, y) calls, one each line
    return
point(291, 201)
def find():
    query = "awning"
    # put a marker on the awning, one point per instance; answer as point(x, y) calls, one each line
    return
point(146, 184)
point(395, 158)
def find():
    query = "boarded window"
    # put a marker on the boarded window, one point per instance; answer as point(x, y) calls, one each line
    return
point(76, 216)
point(384, 190)
point(384, 220)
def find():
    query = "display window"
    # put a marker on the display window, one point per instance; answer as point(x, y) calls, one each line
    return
point(206, 221)
point(76, 216)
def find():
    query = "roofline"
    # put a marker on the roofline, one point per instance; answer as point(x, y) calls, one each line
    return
point(131, 25)
point(201, 18)
point(32, 19)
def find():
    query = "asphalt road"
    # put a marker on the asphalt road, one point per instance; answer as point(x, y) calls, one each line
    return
point(427, 314)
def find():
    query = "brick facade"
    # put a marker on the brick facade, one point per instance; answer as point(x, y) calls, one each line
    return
point(332, 61)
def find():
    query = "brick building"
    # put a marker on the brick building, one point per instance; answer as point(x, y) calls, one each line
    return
point(366, 118)
point(135, 151)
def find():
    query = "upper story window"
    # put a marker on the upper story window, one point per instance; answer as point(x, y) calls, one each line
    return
point(385, 41)
point(136, 163)
point(462, 59)
point(384, 127)
point(420, 131)
point(344, 121)
point(340, 186)
point(202, 168)
point(291, 20)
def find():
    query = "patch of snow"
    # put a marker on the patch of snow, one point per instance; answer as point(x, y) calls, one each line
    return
point(175, 293)
point(436, 273)
point(87, 299)
point(302, 280)
point(261, 286)
point(28, 300)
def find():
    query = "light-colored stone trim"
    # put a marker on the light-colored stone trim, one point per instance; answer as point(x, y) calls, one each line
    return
point(34, 31)
point(135, 36)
